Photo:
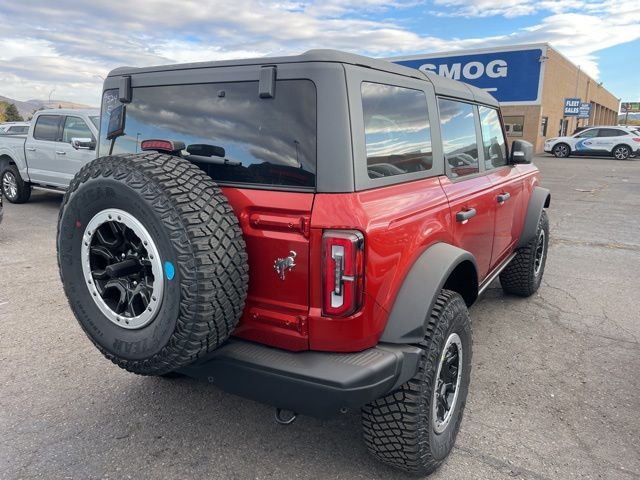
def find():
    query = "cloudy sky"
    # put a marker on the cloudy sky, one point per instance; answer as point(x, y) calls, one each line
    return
point(69, 45)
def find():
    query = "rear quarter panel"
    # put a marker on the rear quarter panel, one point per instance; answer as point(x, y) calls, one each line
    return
point(12, 150)
point(399, 222)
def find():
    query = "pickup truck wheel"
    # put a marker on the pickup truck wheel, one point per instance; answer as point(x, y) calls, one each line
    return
point(523, 275)
point(152, 260)
point(15, 189)
point(561, 150)
point(415, 427)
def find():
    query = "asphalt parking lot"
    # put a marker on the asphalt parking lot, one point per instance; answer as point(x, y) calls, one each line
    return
point(555, 391)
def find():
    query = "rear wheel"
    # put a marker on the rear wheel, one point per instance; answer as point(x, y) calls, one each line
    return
point(14, 188)
point(152, 260)
point(524, 273)
point(621, 152)
point(415, 427)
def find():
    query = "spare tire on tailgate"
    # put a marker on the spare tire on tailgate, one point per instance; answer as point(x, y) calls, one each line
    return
point(152, 260)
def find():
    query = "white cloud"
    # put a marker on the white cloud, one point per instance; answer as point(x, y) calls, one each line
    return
point(68, 44)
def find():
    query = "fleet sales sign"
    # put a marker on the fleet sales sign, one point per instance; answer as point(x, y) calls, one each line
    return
point(572, 107)
point(511, 76)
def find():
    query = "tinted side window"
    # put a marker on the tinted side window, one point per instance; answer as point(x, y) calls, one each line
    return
point(493, 141)
point(75, 127)
point(47, 128)
point(397, 131)
point(267, 141)
point(459, 140)
point(611, 132)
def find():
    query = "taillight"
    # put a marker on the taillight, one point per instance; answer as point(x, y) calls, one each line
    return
point(636, 139)
point(342, 272)
point(162, 145)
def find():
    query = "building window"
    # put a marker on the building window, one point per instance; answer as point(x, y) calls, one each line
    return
point(543, 126)
point(514, 125)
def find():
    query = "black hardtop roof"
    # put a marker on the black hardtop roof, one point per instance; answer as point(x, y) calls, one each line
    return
point(317, 55)
point(443, 86)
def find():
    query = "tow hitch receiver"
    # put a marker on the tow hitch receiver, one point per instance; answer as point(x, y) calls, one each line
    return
point(285, 417)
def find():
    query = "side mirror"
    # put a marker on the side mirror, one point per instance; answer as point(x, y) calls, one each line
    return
point(83, 143)
point(521, 152)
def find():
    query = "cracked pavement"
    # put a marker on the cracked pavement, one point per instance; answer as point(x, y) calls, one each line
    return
point(555, 391)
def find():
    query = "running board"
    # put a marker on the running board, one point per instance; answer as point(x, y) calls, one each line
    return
point(49, 189)
point(496, 272)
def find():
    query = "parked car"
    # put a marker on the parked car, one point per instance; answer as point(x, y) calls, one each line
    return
point(619, 142)
point(306, 231)
point(57, 144)
point(14, 128)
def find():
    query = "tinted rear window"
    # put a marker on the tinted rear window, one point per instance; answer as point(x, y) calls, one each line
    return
point(273, 141)
point(47, 128)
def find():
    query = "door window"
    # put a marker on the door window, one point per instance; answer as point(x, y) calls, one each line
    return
point(588, 133)
point(75, 127)
point(459, 140)
point(397, 130)
point(493, 141)
point(47, 128)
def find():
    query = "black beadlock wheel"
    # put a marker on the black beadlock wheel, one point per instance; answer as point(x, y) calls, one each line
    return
point(14, 188)
point(152, 260)
point(524, 273)
point(414, 428)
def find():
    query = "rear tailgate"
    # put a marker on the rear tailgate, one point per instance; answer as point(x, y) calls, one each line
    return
point(275, 226)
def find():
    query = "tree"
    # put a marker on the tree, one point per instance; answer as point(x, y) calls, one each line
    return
point(11, 113)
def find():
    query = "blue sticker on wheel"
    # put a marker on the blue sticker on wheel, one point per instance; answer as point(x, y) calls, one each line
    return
point(169, 270)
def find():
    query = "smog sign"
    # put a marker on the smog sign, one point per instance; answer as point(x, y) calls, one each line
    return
point(511, 75)
point(572, 107)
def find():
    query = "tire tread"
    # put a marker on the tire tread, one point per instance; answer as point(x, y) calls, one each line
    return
point(208, 242)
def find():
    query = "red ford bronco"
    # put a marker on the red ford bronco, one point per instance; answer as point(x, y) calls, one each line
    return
point(305, 231)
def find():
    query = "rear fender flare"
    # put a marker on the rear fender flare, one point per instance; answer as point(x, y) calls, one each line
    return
point(540, 198)
point(418, 293)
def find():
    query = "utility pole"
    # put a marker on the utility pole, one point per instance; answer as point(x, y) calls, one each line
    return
point(50, 93)
point(576, 94)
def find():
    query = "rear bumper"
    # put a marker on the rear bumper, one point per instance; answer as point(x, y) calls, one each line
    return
point(313, 383)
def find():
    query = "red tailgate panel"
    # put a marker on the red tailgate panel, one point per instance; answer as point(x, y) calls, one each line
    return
point(275, 224)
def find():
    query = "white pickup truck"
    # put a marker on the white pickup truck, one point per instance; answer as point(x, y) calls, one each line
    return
point(58, 144)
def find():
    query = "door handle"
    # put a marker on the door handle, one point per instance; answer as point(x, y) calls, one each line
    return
point(31, 149)
point(61, 153)
point(503, 197)
point(464, 215)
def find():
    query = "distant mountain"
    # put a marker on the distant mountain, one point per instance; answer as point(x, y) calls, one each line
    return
point(632, 116)
point(26, 108)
